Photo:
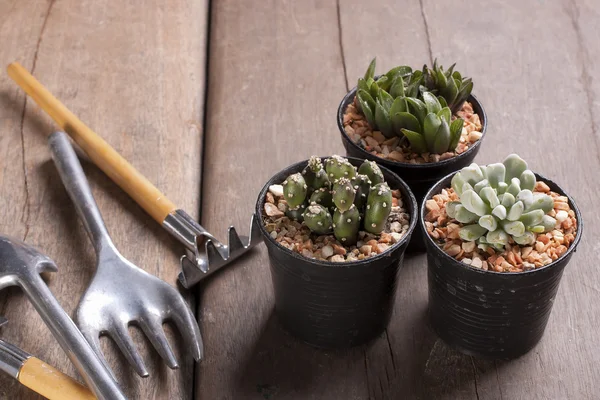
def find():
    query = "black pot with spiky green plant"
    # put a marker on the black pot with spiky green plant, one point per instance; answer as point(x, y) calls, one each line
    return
point(421, 124)
point(336, 230)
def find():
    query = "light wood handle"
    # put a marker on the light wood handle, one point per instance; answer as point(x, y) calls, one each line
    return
point(50, 383)
point(106, 158)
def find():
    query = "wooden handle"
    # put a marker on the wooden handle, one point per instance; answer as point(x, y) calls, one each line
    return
point(106, 158)
point(50, 383)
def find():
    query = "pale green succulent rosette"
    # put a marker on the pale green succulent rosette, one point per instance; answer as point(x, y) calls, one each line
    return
point(497, 203)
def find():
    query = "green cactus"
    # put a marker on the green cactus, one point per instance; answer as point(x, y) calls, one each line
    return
point(318, 219)
point(416, 105)
point(449, 84)
point(295, 190)
point(379, 206)
point(354, 196)
point(497, 203)
point(362, 185)
point(372, 171)
point(338, 167)
point(346, 225)
point(343, 194)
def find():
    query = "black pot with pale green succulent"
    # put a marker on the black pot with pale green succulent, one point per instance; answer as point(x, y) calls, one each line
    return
point(498, 240)
point(336, 230)
point(421, 124)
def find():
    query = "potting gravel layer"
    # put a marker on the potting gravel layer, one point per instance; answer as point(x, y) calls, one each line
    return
point(359, 131)
point(297, 237)
point(515, 258)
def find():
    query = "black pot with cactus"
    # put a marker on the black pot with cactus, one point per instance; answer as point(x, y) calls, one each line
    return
point(334, 255)
point(411, 122)
point(498, 240)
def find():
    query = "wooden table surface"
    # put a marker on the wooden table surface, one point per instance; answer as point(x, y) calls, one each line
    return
point(208, 100)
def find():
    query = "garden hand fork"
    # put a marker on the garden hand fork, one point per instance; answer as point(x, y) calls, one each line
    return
point(120, 293)
point(205, 254)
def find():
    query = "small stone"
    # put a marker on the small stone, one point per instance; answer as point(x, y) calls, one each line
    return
point(525, 251)
point(477, 263)
point(366, 250)
point(562, 215)
point(539, 246)
point(468, 247)
point(446, 155)
point(378, 136)
point(327, 251)
point(396, 226)
point(277, 190)
point(381, 247)
point(527, 266)
point(467, 261)
point(453, 250)
point(396, 237)
point(337, 258)
point(270, 198)
point(307, 253)
point(339, 250)
point(273, 234)
point(432, 205)
point(474, 136)
point(272, 210)
point(396, 156)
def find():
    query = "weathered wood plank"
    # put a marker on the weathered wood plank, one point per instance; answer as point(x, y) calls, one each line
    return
point(276, 79)
point(531, 74)
point(136, 75)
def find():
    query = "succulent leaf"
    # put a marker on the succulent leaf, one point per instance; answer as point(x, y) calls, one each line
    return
point(445, 114)
point(323, 197)
point(455, 133)
point(417, 108)
point(540, 201)
point(384, 82)
point(471, 233)
point(463, 215)
point(472, 202)
point(451, 208)
point(431, 103)
point(431, 124)
point(417, 142)
point(371, 70)
point(532, 218)
point(296, 214)
point(488, 222)
point(397, 87)
point(362, 185)
point(385, 99)
point(499, 212)
point(404, 120)
point(442, 138)
point(383, 120)
point(399, 105)
point(515, 211)
point(515, 166)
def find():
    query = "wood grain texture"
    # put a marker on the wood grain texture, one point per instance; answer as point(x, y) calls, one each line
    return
point(276, 79)
point(136, 75)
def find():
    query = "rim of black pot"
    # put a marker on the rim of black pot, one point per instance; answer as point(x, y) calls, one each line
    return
point(441, 184)
point(331, 264)
point(349, 98)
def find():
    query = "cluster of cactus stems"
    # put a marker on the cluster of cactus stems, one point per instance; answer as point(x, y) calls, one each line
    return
point(416, 105)
point(337, 197)
point(497, 203)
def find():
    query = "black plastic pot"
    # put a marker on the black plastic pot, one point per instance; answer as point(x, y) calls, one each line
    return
point(419, 177)
point(335, 305)
point(486, 313)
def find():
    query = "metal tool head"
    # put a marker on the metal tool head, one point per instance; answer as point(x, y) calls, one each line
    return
point(18, 261)
point(205, 254)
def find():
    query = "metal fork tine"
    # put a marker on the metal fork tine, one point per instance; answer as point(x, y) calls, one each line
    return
point(182, 317)
point(93, 338)
point(120, 334)
point(156, 334)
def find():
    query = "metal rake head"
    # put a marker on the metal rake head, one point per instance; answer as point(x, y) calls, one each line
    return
point(207, 254)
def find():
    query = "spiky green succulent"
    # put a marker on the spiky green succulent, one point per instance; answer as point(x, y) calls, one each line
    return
point(335, 196)
point(416, 105)
point(498, 206)
point(449, 84)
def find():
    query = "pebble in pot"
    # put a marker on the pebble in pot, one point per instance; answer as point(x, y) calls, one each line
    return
point(336, 230)
point(498, 240)
point(421, 124)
